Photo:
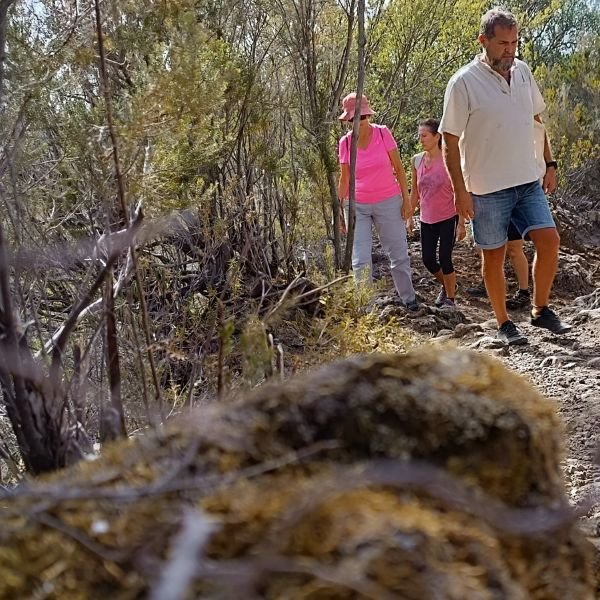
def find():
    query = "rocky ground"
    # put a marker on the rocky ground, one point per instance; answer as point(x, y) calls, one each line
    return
point(565, 368)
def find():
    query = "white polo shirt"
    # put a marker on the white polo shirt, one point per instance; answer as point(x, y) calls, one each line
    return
point(494, 121)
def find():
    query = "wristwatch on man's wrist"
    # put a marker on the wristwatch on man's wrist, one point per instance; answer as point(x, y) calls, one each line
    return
point(551, 163)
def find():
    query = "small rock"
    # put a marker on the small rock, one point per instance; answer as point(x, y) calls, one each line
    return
point(390, 311)
point(424, 323)
point(489, 343)
point(445, 333)
point(591, 301)
point(463, 329)
point(587, 315)
point(549, 361)
point(502, 351)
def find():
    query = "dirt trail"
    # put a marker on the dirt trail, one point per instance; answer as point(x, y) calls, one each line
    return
point(565, 368)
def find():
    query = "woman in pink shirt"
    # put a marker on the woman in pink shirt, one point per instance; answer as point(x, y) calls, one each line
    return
point(440, 224)
point(381, 199)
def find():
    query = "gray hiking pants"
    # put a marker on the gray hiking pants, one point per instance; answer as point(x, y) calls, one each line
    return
point(387, 218)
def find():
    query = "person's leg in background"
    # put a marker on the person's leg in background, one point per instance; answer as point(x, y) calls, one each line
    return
point(387, 216)
point(518, 260)
point(520, 265)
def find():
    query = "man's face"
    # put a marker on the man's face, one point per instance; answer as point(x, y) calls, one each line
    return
point(501, 49)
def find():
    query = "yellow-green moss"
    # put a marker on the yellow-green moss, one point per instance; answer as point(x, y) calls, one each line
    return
point(103, 528)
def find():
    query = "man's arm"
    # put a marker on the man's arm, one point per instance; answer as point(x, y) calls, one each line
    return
point(549, 182)
point(462, 199)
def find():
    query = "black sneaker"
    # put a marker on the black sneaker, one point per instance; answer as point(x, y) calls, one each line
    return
point(550, 321)
point(509, 334)
point(477, 291)
point(521, 299)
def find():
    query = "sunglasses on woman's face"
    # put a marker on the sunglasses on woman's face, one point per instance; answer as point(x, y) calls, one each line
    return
point(362, 118)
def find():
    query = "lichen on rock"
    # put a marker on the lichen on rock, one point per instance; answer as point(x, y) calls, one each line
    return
point(432, 474)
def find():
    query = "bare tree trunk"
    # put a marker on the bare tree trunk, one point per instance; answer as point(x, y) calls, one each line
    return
point(320, 114)
point(123, 205)
point(335, 100)
point(117, 422)
point(34, 408)
point(362, 41)
point(330, 169)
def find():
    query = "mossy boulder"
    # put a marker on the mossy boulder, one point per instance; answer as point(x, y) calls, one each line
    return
point(433, 474)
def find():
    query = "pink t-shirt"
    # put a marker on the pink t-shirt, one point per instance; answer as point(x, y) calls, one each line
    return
point(375, 179)
point(435, 191)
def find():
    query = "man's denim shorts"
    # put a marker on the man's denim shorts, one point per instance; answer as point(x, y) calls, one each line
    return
point(525, 206)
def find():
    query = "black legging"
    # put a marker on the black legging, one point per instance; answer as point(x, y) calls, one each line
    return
point(445, 233)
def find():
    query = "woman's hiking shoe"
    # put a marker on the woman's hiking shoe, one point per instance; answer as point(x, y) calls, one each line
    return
point(413, 305)
point(521, 299)
point(441, 297)
point(448, 304)
point(510, 335)
point(549, 320)
point(477, 291)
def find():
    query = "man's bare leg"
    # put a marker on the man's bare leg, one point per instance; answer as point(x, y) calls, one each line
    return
point(493, 274)
point(546, 242)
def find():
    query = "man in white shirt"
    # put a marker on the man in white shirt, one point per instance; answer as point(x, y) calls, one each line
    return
point(488, 127)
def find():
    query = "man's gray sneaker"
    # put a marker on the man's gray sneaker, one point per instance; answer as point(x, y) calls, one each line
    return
point(548, 319)
point(510, 335)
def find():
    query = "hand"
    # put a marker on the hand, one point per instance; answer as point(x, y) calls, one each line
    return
point(407, 210)
point(549, 182)
point(464, 204)
point(461, 232)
